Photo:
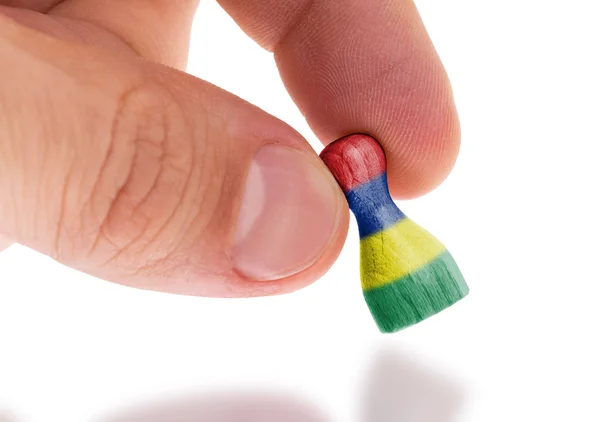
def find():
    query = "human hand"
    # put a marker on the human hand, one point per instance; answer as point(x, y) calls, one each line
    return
point(117, 164)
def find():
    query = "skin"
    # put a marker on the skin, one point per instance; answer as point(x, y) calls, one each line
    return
point(90, 83)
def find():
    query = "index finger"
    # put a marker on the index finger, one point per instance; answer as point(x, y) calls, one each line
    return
point(361, 66)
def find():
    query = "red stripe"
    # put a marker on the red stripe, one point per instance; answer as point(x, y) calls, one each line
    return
point(354, 160)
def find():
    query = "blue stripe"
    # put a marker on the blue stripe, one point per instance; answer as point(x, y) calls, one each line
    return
point(373, 206)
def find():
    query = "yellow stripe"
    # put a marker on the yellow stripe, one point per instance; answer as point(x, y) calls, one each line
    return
point(393, 253)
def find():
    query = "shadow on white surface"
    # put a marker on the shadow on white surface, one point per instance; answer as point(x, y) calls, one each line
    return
point(400, 388)
point(225, 408)
point(7, 416)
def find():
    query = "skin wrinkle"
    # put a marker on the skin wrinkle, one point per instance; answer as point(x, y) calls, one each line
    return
point(201, 174)
point(187, 174)
point(195, 168)
point(141, 232)
point(220, 218)
point(64, 238)
point(164, 163)
point(109, 154)
point(87, 203)
point(61, 214)
point(37, 162)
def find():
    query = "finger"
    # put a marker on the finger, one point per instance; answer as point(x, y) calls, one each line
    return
point(359, 66)
point(146, 176)
point(158, 30)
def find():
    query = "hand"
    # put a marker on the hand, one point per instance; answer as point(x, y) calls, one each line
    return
point(117, 164)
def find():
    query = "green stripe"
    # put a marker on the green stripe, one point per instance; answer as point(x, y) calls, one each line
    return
point(418, 295)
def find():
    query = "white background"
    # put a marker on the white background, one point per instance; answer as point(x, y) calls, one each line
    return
point(520, 214)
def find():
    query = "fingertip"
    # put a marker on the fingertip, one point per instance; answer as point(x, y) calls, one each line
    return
point(376, 72)
point(421, 159)
point(420, 133)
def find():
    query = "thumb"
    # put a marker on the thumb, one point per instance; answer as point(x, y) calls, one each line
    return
point(146, 176)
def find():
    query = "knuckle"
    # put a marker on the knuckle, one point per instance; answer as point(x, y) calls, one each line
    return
point(142, 182)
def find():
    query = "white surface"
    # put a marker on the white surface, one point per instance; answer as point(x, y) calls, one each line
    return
point(520, 214)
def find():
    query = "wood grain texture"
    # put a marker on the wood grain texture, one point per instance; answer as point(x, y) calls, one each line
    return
point(394, 253)
point(373, 207)
point(407, 275)
point(354, 160)
point(417, 296)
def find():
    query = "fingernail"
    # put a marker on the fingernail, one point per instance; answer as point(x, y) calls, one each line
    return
point(289, 214)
